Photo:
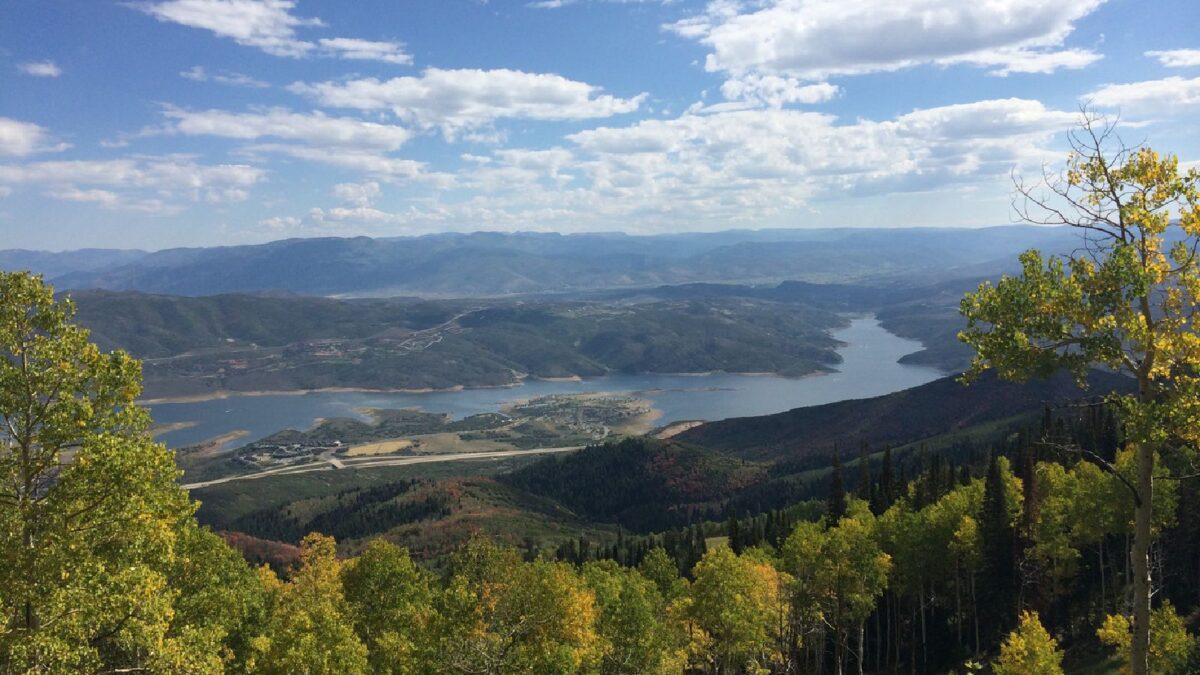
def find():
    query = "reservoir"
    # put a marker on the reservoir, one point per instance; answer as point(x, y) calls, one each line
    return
point(869, 368)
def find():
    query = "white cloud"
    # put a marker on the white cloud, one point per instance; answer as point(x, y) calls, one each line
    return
point(373, 164)
point(143, 184)
point(41, 69)
point(316, 129)
point(818, 39)
point(1171, 95)
point(18, 139)
point(458, 100)
point(749, 167)
point(1177, 58)
point(110, 200)
point(774, 91)
point(226, 77)
point(366, 50)
point(271, 26)
point(1008, 61)
point(750, 164)
point(268, 25)
point(556, 4)
point(280, 223)
point(357, 194)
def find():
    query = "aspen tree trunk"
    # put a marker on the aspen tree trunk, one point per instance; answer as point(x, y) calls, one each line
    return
point(958, 620)
point(1103, 585)
point(1140, 647)
point(924, 651)
point(880, 645)
point(862, 643)
point(975, 612)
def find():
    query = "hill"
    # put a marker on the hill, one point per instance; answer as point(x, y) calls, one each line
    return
point(935, 408)
point(245, 343)
point(641, 483)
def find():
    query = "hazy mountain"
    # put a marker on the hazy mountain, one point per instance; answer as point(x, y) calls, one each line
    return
point(490, 263)
point(53, 264)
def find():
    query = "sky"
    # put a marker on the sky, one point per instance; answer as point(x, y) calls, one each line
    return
point(160, 123)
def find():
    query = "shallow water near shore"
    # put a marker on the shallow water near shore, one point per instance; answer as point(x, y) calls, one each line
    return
point(869, 368)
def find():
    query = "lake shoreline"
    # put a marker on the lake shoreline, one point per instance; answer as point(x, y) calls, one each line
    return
point(870, 367)
point(222, 394)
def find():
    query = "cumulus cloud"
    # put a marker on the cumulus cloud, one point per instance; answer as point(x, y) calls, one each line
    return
point(226, 77)
point(1177, 58)
point(367, 162)
point(271, 26)
point(268, 25)
point(316, 129)
point(143, 184)
point(751, 167)
point(1168, 96)
point(814, 40)
point(18, 139)
point(41, 69)
point(774, 91)
point(458, 100)
point(357, 194)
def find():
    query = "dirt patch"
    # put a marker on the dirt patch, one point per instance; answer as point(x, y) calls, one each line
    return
point(677, 428)
point(450, 443)
point(380, 448)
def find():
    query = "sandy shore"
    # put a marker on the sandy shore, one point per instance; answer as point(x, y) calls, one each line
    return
point(160, 429)
point(216, 443)
point(226, 393)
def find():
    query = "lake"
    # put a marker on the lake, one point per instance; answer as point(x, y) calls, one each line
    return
point(869, 368)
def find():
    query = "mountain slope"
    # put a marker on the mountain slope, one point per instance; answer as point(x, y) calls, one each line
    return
point(906, 416)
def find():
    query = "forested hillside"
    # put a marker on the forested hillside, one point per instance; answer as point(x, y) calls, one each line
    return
point(246, 343)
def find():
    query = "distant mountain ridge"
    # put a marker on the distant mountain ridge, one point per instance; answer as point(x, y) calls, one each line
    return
point(492, 264)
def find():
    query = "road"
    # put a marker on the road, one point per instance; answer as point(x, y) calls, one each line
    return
point(333, 463)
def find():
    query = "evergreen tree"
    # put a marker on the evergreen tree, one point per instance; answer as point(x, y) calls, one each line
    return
point(836, 505)
point(863, 489)
point(999, 594)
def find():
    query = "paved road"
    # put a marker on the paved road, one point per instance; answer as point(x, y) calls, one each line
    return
point(366, 463)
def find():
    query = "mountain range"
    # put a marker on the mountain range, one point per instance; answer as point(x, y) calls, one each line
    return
point(492, 264)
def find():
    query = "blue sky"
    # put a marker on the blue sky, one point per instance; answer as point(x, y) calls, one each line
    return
point(159, 123)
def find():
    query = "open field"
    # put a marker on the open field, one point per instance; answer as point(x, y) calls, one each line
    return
point(380, 448)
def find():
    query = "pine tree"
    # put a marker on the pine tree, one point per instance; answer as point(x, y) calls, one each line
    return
point(998, 544)
point(863, 489)
point(836, 505)
point(885, 493)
